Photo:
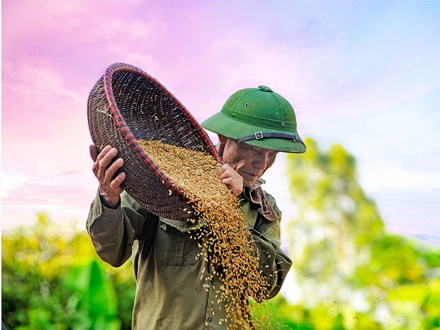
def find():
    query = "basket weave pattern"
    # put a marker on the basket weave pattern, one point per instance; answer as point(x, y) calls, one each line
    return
point(126, 105)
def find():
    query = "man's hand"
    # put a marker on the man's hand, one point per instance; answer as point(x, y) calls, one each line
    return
point(232, 179)
point(105, 171)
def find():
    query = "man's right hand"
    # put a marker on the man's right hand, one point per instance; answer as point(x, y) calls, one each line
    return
point(105, 171)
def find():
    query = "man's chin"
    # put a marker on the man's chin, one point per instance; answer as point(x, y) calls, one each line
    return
point(249, 183)
point(249, 179)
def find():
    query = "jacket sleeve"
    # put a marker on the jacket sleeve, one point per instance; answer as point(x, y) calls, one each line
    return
point(274, 263)
point(113, 231)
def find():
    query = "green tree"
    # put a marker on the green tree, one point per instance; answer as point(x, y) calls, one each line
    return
point(344, 262)
point(52, 279)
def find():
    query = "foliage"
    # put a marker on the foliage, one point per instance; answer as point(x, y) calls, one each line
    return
point(344, 261)
point(52, 280)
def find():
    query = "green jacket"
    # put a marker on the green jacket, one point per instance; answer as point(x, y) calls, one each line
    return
point(170, 293)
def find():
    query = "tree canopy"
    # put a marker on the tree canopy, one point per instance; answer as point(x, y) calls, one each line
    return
point(343, 257)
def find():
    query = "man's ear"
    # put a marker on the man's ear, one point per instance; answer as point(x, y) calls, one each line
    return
point(221, 144)
point(222, 139)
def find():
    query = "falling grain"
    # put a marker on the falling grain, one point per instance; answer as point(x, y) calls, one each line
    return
point(227, 241)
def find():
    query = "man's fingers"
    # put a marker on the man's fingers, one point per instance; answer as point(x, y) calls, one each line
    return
point(117, 181)
point(111, 170)
point(105, 167)
point(232, 179)
point(106, 156)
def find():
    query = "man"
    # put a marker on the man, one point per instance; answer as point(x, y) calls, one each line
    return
point(253, 126)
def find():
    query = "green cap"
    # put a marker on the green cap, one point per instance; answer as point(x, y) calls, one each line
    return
point(259, 117)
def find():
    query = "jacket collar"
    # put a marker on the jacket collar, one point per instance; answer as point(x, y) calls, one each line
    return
point(256, 195)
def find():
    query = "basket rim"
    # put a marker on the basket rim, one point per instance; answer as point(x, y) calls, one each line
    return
point(120, 123)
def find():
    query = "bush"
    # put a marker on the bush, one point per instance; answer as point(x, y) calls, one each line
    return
point(54, 280)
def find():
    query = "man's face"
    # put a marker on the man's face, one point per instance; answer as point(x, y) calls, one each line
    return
point(249, 161)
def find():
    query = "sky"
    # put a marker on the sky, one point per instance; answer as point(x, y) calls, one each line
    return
point(363, 74)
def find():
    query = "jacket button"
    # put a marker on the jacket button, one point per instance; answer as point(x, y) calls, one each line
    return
point(210, 319)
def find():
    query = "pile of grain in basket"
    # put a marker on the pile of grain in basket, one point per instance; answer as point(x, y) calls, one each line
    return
point(227, 242)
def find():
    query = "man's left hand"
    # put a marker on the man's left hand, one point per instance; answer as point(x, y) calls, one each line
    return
point(232, 179)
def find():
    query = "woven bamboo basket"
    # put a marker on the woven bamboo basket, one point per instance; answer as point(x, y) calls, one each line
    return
point(127, 104)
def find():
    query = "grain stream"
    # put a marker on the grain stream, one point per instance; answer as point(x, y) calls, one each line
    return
point(226, 240)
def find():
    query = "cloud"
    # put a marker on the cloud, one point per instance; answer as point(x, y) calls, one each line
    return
point(281, 63)
point(44, 121)
point(36, 81)
point(35, 192)
point(64, 197)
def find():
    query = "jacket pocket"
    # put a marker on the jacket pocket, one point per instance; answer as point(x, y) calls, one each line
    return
point(176, 248)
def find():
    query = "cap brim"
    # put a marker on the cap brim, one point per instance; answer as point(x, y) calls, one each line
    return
point(235, 129)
